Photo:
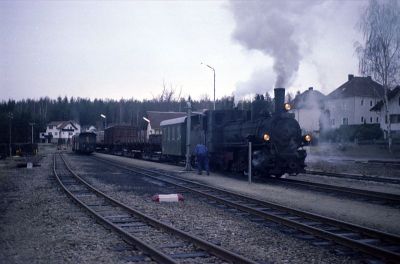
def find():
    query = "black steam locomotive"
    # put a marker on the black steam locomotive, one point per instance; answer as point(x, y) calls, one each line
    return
point(276, 139)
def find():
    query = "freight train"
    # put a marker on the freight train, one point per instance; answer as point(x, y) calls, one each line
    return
point(277, 142)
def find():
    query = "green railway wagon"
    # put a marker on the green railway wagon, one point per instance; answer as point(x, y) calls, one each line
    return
point(174, 136)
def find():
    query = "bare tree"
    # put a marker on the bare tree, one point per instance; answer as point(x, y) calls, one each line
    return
point(380, 54)
point(167, 95)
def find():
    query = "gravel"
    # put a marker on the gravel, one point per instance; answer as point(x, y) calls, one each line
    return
point(40, 224)
point(367, 214)
point(354, 160)
point(232, 231)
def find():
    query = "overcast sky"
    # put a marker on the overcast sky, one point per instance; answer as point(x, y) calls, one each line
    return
point(128, 49)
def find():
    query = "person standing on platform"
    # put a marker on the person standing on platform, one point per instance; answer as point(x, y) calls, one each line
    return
point(201, 153)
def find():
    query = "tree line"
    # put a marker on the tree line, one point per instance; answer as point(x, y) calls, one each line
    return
point(87, 112)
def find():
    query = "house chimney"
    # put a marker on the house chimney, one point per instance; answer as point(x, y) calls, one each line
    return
point(310, 88)
point(279, 94)
point(351, 76)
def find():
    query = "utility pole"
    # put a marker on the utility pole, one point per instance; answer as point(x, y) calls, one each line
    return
point(31, 124)
point(10, 116)
point(250, 139)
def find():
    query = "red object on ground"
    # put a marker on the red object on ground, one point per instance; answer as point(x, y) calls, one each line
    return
point(167, 198)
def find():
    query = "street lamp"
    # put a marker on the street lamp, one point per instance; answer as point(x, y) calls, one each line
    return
point(105, 120)
point(214, 79)
point(148, 129)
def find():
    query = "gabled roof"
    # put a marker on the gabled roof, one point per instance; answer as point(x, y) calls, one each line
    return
point(309, 99)
point(357, 86)
point(62, 124)
point(391, 94)
point(157, 117)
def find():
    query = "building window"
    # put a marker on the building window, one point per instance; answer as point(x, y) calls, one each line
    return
point(345, 121)
point(50, 134)
point(333, 122)
point(399, 100)
point(395, 119)
point(50, 127)
point(362, 119)
point(385, 119)
point(370, 104)
point(56, 133)
point(370, 119)
point(377, 120)
point(70, 133)
point(362, 101)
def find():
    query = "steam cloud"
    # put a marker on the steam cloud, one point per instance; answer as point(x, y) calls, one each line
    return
point(271, 27)
point(314, 37)
point(259, 80)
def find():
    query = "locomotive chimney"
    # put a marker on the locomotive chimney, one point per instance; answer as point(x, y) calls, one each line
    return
point(279, 94)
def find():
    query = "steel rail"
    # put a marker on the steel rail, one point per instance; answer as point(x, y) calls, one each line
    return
point(390, 197)
point(201, 243)
point(354, 176)
point(156, 254)
point(369, 249)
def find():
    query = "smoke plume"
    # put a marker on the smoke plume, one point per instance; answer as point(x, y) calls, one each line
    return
point(313, 37)
point(258, 83)
point(271, 27)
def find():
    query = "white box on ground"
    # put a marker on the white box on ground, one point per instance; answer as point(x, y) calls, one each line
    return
point(29, 165)
point(167, 198)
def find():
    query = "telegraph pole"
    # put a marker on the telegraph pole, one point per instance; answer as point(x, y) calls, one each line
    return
point(31, 124)
point(10, 116)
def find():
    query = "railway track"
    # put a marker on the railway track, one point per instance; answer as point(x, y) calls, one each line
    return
point(387, 198)
point(369, 241)
point(355, 177)
point(163, 243)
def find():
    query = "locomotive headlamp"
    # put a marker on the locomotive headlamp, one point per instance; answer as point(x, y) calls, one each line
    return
point(287, 106)
point(307, 138)
point(266, 137)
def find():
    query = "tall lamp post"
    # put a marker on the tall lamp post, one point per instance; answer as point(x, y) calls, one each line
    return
point(147, 129)
point(214, 79)
point(105, 120)
point(10, 116)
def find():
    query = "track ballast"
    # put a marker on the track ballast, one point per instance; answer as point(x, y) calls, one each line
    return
point(369, 241)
